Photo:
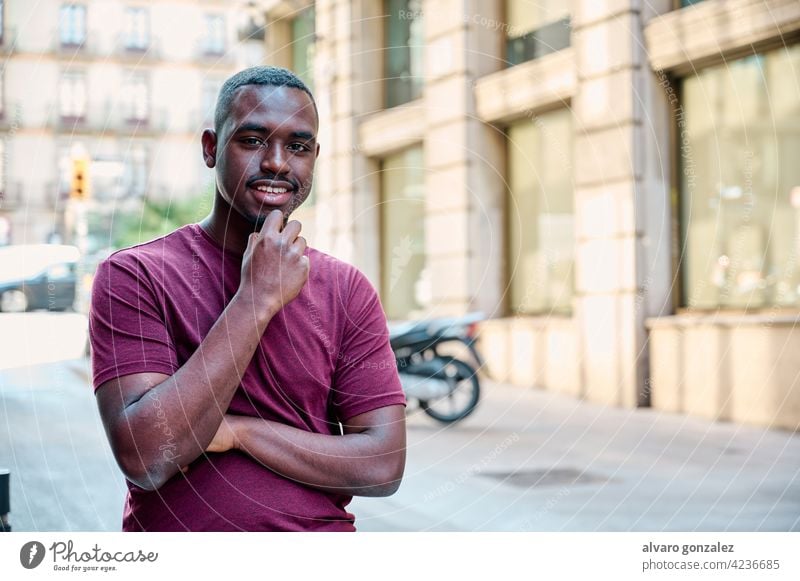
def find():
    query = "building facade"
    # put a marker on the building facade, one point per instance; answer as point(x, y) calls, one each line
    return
point(613, 183)
point(126, 86)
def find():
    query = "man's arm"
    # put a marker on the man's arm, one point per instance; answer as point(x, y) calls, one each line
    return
point(368, 460)
point(158, 423)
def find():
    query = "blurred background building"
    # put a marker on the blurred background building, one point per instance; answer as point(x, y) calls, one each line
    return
point(613, 182)
point(122, 87)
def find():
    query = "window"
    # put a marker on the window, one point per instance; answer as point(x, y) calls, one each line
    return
point(739, 142)
point(214, 42)
point(72, 24)
point(540, 214)
point(403, 278)
point(536, 29)
point(136, 171)
point(303, 46)
point(72, 96)
point(137, 28)
point(2, 21)
point(404, 51)
point(136, 104)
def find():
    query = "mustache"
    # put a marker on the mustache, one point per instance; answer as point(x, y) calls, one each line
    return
point(272, 177)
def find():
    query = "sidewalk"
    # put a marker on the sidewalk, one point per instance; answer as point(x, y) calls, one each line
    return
point(530, 460)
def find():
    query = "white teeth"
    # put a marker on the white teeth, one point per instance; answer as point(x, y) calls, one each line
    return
point(271, 190)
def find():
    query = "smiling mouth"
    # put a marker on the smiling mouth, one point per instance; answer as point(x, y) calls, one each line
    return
point(271, 189)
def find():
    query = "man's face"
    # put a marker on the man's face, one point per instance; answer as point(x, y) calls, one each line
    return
point(265, 152)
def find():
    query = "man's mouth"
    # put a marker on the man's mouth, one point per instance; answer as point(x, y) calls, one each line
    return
point(272, 194)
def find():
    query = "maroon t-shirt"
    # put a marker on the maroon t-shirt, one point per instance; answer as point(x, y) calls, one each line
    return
point(324, 358)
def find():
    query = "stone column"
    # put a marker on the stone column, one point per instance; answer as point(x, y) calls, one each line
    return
point(622, 166)
point(463, 160)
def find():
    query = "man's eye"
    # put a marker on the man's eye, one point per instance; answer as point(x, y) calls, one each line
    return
point(298, 147)
point(251, 141)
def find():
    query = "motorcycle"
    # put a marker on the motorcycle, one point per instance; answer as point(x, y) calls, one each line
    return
point(447, 387)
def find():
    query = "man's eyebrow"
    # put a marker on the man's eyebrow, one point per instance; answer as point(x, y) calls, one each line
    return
point(255, 127)
point(306, 135)
point(252, 127)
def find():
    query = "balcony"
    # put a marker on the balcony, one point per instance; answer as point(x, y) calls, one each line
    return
point(75, 49)
point(109, 120)
point(135, 51)
point(206, 52)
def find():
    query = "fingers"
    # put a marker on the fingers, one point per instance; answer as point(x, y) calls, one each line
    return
point(292, 230)
point(273, 223)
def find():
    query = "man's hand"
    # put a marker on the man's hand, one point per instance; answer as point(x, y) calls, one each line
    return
point(225, 439)
point(274, 267)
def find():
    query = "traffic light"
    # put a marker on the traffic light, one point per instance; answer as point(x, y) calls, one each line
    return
point(80, 189)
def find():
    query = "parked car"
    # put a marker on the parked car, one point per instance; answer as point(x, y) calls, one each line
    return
point(38, 276)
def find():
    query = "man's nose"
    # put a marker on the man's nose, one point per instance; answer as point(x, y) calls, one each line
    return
point(275, 159)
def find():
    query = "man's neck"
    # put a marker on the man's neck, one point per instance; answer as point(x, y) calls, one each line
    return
point(227, 227)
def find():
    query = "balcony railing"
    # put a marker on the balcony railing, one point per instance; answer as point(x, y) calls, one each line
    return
point(110, 119)
point(137, 51)
point(212, 53)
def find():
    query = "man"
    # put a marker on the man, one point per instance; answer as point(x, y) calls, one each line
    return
point(227, 353)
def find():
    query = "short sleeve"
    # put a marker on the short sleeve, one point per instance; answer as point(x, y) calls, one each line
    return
point(126, 326)
point(366, 377)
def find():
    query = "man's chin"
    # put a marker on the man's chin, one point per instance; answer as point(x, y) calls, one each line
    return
point(257, 221)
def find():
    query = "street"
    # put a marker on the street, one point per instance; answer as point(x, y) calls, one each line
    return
point(527, 460)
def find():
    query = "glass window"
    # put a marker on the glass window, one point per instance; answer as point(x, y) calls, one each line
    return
point(540, 214)
point(72, 24)
point(739, 140)
point(536, 29)
point(404, 51)
point(136, 98)
point(137, 28)
point(73, 94)
point(303, 46)
point(403, 277)
point(136, 171)
point(215, 34)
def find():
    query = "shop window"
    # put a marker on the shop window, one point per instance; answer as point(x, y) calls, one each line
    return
point(540, 216)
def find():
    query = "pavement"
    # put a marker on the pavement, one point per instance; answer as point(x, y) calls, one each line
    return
point(532, 460)
point(526, 460)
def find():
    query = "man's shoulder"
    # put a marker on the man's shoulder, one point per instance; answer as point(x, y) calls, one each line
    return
point(343, 279)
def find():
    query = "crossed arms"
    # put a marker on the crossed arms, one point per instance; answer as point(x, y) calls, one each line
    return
point(158, 423)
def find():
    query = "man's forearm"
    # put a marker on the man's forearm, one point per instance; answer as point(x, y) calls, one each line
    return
point(356, 464)
point(189, 405)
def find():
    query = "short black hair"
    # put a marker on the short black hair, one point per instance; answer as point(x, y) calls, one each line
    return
point(261, 75)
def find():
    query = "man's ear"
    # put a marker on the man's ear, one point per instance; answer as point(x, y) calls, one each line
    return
point(316, 154)
point(209, 141)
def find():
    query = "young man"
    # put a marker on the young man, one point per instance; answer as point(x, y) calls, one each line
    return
point(226, 354)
